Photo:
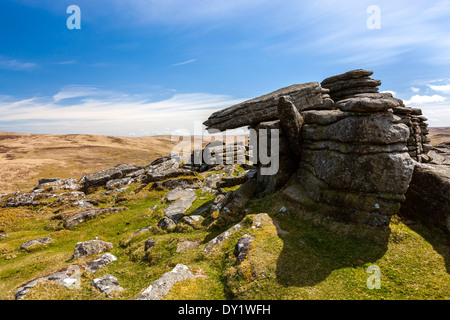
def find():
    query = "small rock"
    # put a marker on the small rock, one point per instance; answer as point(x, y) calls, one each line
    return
point(162, 286)
point(99, 263)
point(166, 224)
point(32, 242)
point(107, 284)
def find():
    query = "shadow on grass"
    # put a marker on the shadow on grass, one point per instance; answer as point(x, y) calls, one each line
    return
point(438, 238)
point(311, 252)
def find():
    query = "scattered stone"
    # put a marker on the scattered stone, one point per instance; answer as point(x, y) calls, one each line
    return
point(217, 241)
point(91, 247)
point(42, 241)
point(167, 224)
point(69, 278)
point(162, 286)
point(107, 284)
point(187, 245)
point(242, 248)
point(81, 217)
point(99, 263)
point(195, 221)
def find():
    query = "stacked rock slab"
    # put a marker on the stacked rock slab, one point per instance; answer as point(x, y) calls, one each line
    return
point(306, 96)
point(350, 83)
point(418, 142)
point(345, 148)
point(355, 164)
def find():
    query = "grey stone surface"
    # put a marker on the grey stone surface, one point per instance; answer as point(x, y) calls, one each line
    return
point(107, 284)
point(265, 108)
point(94, 265)
point(72, 221)
point(36, 241)
point(162, 286)
point(91, 247)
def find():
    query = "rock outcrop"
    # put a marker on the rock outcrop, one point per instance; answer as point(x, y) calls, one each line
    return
point(347, 150)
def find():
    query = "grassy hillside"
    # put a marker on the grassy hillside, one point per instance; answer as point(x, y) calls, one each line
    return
point(293, 256)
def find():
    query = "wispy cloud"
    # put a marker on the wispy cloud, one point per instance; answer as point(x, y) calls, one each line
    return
point(107, 112)
point(183, 63)
point(13, 64)
point(66, 62)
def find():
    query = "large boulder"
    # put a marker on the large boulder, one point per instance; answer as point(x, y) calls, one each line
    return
point(102, 177)
point(74, 220)
point(265, 108)
point(428, 196)
point(91, 247)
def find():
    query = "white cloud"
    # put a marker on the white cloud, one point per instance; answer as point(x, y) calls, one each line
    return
point(414, 89)
point(75, 92)
point(13, 64)
point(183, 63)
point(441, 88)
point(418, 99)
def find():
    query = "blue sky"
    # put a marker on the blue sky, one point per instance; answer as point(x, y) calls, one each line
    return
point(145, 67)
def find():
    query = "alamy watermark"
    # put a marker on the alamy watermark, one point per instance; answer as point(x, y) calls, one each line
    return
point(263, 148)
point(374, 20)
point(74, 20)
point(374, 281)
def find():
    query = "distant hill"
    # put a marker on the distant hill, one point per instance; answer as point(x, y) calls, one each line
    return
point(439, 135)
point(24, 158)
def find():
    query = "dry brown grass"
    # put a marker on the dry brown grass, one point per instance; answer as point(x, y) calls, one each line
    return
point(25, 158)
point(439, 135)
